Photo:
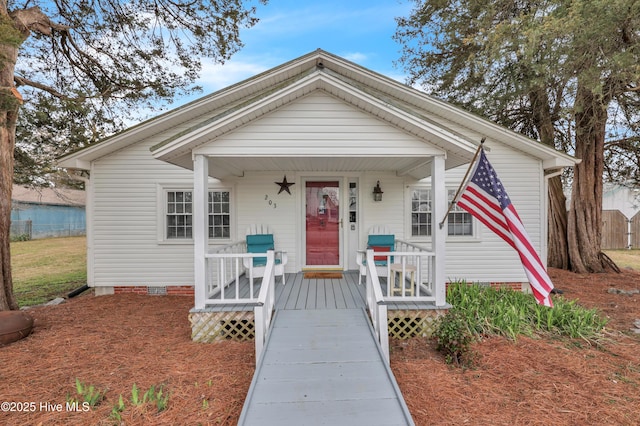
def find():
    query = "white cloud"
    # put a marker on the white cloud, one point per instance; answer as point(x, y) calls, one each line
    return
point(216, 76)
point(356, 57)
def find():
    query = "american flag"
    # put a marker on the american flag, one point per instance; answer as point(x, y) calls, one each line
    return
point(485, 198)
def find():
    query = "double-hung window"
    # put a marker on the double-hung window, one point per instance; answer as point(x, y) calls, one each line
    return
point(179, 214)
point(459, 222)
point(219, 215)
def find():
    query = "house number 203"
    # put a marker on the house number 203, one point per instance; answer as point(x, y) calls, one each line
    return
point(270, 201)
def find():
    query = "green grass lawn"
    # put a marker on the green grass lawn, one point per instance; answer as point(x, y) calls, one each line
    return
point(45, 269)
point(625, 258)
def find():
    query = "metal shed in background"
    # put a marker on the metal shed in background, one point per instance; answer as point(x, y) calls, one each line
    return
point(47, 212)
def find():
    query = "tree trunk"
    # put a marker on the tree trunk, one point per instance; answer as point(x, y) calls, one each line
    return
point(584, 226)
point(558, 252)
point(558, 248)
point(7, 143)
point(10, 40)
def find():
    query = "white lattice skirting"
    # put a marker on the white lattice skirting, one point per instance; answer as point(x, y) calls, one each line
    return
point(207, 327)
point(405, 324)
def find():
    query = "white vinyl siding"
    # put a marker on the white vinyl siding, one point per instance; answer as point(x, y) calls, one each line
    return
point(127, 220)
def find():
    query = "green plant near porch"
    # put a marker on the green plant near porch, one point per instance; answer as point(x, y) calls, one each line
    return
point(511, 313)
point(479, 310)
point(454, 338)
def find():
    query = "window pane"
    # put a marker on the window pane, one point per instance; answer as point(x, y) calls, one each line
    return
point(219, 214)
point(179, 214)
point(421, 212)
point(459, 221)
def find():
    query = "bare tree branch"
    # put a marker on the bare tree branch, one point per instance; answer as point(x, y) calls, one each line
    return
point(26, 82)
point(33, 19)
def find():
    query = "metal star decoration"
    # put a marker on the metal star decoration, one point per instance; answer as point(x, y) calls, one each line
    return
point(284, 185)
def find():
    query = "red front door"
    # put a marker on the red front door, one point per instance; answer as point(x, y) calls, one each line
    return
point(323, 223)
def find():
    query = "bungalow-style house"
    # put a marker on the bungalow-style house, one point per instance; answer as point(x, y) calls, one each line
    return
point(322, 151)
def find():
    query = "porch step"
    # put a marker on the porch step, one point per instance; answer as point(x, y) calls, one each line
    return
point(323, 367)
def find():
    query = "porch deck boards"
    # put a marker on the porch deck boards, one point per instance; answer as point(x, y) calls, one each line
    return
point(320, 293)
point(323, 369)
point(315, 293)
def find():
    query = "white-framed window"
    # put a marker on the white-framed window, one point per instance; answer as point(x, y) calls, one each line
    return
point(420, 212)
point(178, 217)
point(459, 222)
point(219, 215)
point(179, 222)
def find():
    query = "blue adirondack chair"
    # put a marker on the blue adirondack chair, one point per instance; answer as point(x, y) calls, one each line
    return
point(379, 239)
point(260, 243)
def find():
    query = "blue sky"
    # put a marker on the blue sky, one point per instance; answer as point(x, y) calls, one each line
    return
point(358, 30)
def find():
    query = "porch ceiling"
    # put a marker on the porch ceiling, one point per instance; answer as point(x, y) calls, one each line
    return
point(237, 166)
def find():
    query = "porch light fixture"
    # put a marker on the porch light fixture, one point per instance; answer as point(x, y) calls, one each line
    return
point(377, 192)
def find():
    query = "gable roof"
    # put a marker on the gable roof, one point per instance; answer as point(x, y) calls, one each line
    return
point(48, 196)
point(442, 126)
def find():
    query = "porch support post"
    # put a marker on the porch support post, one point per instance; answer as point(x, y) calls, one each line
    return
point(438, 236)
point(200, 225)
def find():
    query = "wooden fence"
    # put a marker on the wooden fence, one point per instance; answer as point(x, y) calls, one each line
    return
point(618, 232)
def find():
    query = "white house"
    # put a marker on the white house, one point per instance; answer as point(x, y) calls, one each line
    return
point(300, 148)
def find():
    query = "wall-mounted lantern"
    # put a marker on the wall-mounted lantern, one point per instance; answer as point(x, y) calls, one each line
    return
point(377, 192)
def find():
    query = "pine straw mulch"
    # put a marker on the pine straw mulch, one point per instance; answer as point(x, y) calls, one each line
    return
point(112, 342)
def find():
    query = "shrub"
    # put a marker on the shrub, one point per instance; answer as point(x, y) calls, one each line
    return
point(454, 338)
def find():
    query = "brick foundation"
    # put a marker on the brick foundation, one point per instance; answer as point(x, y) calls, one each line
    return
point(512, 286)
point(517, 286)
point(180, 290)
point(172, 290)
point(130, 289)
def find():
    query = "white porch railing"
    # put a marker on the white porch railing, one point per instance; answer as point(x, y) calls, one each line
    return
point(413, 266)
point(263, 311)
point(376, 306)
point(409, 272)
point(225, 266)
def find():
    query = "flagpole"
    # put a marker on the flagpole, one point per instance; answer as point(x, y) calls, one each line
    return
point(464, 180)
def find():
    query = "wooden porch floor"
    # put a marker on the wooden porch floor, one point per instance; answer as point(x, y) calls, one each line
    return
point(320, 293)
point(317, 293)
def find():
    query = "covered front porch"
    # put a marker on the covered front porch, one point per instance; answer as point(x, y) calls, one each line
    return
point(401, 304)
